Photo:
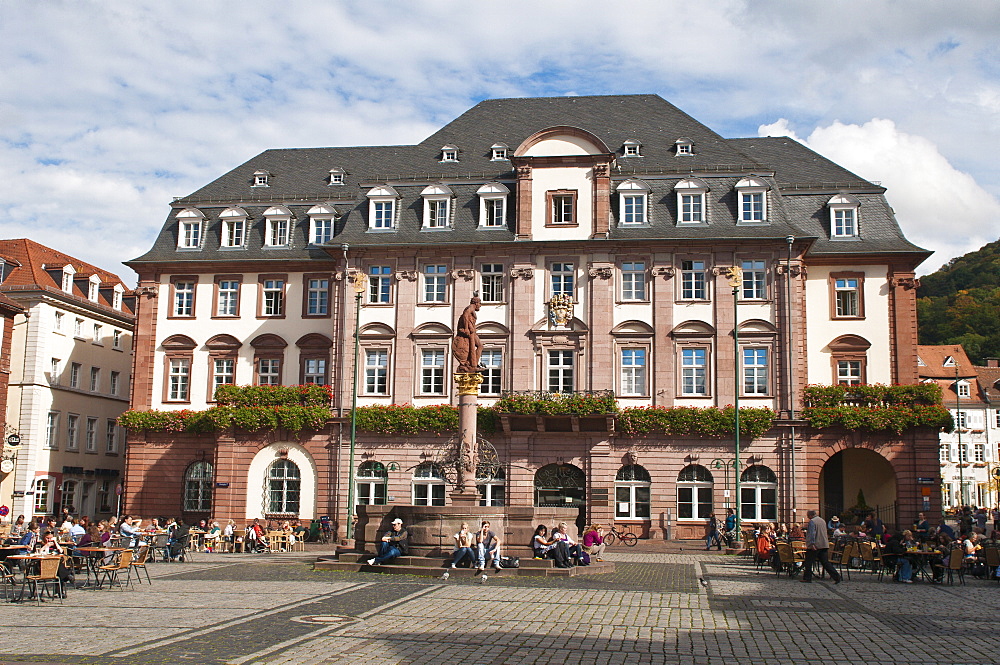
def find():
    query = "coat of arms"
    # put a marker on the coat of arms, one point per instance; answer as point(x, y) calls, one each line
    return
point(560, 310)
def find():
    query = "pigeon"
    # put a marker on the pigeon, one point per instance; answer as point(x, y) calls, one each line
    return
point(703, 582)
point(484, 578)
point(445, 575)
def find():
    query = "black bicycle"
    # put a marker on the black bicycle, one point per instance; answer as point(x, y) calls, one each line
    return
point(627, 537)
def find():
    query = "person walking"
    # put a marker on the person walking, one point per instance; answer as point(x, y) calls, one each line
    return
point(817, 548)
point(712, 533)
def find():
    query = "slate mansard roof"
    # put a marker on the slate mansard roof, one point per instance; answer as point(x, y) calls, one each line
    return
point(801, 183)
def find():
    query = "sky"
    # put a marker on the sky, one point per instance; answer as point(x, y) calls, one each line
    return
point(109, 109)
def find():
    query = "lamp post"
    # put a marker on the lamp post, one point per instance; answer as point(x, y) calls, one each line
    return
point(961, 455)
point(718, 463)
point(358, 284)
point(736, 281)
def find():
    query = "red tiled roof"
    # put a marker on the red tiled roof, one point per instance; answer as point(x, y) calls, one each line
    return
point(30, 263)
point(988, 379)
point(933, 358)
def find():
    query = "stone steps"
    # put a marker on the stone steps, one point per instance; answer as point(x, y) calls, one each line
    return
point(436, 566)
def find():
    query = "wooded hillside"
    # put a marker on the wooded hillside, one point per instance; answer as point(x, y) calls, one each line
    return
point(960, 304)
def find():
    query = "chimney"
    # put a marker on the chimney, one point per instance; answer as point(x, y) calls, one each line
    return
point(993, 362)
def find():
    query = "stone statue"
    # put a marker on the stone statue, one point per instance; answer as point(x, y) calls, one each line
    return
point(467, 347)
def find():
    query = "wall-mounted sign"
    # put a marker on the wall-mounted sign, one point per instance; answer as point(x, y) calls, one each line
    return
point(13, 440)
point(18, 493)
point(6, 466)
point(927, 481)
point(222, 484)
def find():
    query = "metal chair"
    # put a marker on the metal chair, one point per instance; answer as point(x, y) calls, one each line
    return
point(7, 580)
point(159, 547)
point(111, 572)
point(140, 563)
point(48, 576)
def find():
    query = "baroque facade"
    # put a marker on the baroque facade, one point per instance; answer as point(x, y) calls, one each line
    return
point(601, 234)
point(69, 379)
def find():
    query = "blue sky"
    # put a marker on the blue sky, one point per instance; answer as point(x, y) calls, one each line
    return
point(110, 109)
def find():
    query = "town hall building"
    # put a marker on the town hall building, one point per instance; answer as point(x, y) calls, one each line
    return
point(602, 235)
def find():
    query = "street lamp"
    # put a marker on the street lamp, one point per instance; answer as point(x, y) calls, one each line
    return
point(719, 463)
point(736, 281)
point(358, 284)
point(961, 453)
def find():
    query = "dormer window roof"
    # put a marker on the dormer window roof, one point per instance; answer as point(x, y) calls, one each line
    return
point(949, 362)
point(93, 288)
point(68, 272)
point(498, 152)
point(261, 179)
point(683, 146)
point(449, 153)
point(190, 226)
point(336, 176)
point(843, 217)
point(632, 148)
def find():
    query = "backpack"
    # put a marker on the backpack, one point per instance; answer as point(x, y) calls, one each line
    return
point(510, 562)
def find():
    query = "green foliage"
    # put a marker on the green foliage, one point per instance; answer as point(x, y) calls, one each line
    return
point(875, 394)
point(556, 404)
point(876, 408)
point(251, 408)
point(407, 419)
point(960, 304)
point(310, 395)
point(691, 421)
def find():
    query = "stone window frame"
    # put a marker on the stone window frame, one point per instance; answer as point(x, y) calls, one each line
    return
point(215, 295)
point(177, 347)
point(268, 347)
point(261, 279)
point(315, 346)
point(550, 197)
point(860, 291)
point(306, 277)
point(183, 279)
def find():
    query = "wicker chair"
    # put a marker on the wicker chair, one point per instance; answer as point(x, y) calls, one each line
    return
point(47, 577)
point(139, 563)
point(956, 564)
point(112, 571)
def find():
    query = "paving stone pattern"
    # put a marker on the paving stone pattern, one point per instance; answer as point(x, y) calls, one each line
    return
point(273, 609)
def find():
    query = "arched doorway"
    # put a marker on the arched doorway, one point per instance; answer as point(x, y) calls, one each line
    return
point(562, 486)
point(856, 481)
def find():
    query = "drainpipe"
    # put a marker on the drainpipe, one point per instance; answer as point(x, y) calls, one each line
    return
point(791, 366)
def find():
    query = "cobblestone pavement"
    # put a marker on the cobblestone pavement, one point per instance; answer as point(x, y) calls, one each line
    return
point(273, 609)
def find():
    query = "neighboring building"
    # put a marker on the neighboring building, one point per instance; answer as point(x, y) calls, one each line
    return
point(600, 233)
point(968, 454)
point(70, 374)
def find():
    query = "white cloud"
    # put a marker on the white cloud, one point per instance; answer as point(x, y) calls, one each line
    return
point(937, 206)
point(159, 98)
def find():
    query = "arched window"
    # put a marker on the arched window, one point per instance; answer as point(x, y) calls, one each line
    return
point(694, 492)
point(284, 486)
point(560, 486)
point(758, 494)
point(428, 485)
point(490, 483)
point(632, 485)
point(372, 481)
point(198, 487)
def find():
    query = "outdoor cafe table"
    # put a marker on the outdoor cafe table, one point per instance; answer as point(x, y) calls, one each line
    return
point(920, 560)
point(28, 559)
point(8, 550)
point(94, 557)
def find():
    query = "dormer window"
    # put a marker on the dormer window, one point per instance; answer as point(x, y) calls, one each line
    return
point(382, 208)
point(633, 200)
point(843, 217)
point(68, 272)
point(631, 148)
point(93, 288)
point(499, 152)
point(493, 205)
point(116, 296)
point(277, 227)
point(261, 179)
point(683, 147)
point(751, 197)
point(963, 388)
point(691, 195)
point(321, 219)
point(437, 206)
point(449, 153)
point(336, 176)
point(234, 227)
point(949, 362)
point(190, 224)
